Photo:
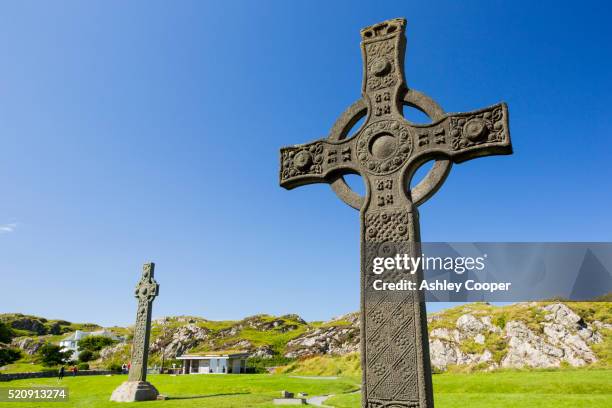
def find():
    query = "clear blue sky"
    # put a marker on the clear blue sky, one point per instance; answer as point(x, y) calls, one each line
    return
point(135, 131)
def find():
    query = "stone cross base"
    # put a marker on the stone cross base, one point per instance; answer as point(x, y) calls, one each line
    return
point(131, 391)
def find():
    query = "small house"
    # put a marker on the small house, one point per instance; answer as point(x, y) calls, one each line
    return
point(71, 343)
point(215, 362)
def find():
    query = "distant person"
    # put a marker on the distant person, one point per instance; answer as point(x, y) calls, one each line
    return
point(75, 369)
point(60, 374)
point(124, 368)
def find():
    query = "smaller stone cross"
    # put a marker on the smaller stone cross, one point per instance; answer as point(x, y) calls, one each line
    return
point(136, 388)
point(146, 291)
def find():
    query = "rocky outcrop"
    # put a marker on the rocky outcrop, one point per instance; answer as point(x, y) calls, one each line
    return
point(265, 352)
point(337, 340)
point(110, 352)
point(28, 345)
point(561, 337)
point(447, 345)
point(282, 324)
point(30, 324)
point(177, 342)
point(566, 338)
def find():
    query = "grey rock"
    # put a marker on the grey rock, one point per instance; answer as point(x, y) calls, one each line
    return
point(263, 352)
point(29, 345)
point(181, 340)
point(329, 340)
point(563, 315)
point(469, 324)
point(527, 349)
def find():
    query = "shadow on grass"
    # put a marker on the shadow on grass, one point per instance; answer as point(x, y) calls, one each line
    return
point(207, 396)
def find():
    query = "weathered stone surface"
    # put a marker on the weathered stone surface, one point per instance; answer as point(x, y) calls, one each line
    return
point(132, 391)
point(469, 324)
point(263, 352)
point(330, 340)
point(181, 340)
point(137, 388)
point(563, 337)
point(30, 324)
point(561, 314)
point(111, 351)
point(27, 344)
point(526, 348)
point(386, 151)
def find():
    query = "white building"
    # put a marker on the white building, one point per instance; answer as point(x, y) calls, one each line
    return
point(72, 342)
point(215, 362)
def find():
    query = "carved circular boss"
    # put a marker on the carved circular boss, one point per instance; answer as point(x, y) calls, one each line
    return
point(384, 146)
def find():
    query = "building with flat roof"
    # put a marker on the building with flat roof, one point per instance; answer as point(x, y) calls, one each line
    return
point(215, 362)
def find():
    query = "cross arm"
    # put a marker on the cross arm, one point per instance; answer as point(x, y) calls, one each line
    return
point(315, 162)
point(464, 136)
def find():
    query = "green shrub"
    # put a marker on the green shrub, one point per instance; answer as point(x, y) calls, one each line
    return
point(469, 346)
point(259, 365)
point(95, 343)
point(52, 355)
point(85, 356)
point(9, 355)
point(500, 321)
point(113, 366)
point(83, 366)
point(6, 333)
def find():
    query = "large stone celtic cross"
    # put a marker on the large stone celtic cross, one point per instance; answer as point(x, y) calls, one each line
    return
point(386, 151)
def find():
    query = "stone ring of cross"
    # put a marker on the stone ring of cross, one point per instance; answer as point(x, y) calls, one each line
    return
point(428, 185)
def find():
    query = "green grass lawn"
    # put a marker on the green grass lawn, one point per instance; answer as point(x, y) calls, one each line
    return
point(524, 389)
point(520, 389)
point(231, 391)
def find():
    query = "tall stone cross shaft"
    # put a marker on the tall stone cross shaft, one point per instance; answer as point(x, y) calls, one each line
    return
point(386, 151)
point(146, 291)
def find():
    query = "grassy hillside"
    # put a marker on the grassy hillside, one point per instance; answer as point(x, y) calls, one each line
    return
point(348, 366)
point(27, 325)
point(288, 340)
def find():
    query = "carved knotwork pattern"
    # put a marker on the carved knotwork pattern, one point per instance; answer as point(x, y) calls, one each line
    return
point(147, 288)
point(477, 129)
point(387, 226)
point(392, 404)
point(303, 160)
point(402, 150)
point(139, 346)
point(381, 54)
point(391, 357)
